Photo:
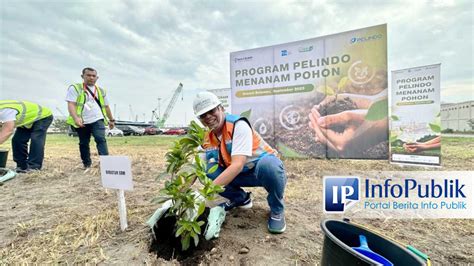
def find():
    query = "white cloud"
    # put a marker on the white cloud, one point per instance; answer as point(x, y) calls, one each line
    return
point(143, 49)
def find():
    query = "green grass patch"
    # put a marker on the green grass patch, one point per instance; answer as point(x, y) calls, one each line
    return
point(133, 141)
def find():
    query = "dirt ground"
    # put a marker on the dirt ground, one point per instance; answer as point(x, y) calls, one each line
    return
point(63, 215)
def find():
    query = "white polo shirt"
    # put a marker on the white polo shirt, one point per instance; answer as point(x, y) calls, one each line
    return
point(91, 112)
point(8, 114)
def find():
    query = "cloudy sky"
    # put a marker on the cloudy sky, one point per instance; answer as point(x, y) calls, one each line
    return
point(143, 49)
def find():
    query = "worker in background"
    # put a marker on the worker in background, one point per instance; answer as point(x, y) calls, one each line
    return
point(89, 113)
point(244, 159)
point(31, 121)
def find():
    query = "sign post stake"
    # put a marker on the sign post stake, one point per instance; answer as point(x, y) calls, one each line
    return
point(116, 173)
point(122, 209)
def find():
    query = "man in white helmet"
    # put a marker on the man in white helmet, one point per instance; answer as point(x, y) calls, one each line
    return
point(244, 159)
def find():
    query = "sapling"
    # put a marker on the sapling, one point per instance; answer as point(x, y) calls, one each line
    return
point(183, 167)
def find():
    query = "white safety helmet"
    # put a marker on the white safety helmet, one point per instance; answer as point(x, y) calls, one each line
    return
point(204, 102)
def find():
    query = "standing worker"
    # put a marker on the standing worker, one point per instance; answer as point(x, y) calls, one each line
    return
point(31, 121)
point(89, 113)
point(244, 159)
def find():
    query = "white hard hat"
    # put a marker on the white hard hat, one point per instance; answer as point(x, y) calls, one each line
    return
point(204, 102)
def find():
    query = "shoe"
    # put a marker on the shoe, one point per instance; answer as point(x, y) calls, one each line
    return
point(276, 223)
point(245, 204)
point(22, 170)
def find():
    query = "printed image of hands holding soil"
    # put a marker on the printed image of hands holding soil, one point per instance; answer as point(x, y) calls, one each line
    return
point(351, 125)
point(417, 147)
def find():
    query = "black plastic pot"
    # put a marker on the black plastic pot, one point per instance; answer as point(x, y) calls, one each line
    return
point(341, 236)
point(3, 158)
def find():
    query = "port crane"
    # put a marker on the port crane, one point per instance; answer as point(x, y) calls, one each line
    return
point(160, 121)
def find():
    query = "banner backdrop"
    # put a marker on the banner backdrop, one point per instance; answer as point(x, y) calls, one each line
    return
point(322, 97)
point(415, 130)
point(224, 97)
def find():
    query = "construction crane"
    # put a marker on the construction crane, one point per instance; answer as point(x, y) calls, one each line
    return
point(61, 112)
point(161, 120)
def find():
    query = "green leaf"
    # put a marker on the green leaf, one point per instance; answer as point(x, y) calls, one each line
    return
point(326, 90)
point(196, 240)
point(202, 208)
point(435, 128)
point(196, 228)
point(393, 138)
point(342, 84)
point(395, 118)
point(185, 242)
point(161, 199)
point(179, 231)
point(377, 111)
point(246, 114)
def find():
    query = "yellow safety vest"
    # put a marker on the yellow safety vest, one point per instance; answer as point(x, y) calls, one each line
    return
point(28, 112)
point(81, 100)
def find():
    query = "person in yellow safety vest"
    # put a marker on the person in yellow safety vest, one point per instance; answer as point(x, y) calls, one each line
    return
point(244, 159)
point(31, 121)
point(89, 113)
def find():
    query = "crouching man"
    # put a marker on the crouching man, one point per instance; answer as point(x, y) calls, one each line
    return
point(31, 121)
point(244, 159)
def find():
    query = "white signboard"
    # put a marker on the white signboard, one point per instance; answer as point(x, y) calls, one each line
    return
point(415, 124)
point(116, 172)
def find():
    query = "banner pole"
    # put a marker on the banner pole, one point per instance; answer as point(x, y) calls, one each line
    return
point(122, 209)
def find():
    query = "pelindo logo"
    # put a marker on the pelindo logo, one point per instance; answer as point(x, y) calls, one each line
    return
point(242, 59)
point(340, 193)
point(284, 52)
point(366, 38)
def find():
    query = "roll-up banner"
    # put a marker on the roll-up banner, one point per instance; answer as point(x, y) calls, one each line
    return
point(415, 122)
point(322, 97)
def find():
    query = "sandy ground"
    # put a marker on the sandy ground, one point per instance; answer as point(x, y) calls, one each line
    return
point(63, 215)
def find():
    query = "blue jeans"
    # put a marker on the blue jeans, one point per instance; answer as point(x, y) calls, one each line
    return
point(268, 173)
point(37, 134)
point(96, 129)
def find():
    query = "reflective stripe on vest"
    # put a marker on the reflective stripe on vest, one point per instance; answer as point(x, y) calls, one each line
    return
point(28, 112)
point(220, 151)
point(81, 100)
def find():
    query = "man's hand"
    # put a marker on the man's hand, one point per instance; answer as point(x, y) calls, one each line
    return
point(111, 124)
point(78, 121)
point(71, 107)
point(322, 126)
point(6, 130)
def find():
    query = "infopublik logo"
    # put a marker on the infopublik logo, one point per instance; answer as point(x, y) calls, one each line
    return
point(340, 193)
point(366, 38)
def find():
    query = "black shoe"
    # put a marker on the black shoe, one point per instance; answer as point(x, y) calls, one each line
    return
point(22, 170)
point(245, 204)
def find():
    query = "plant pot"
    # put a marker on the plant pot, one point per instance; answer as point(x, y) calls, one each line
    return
point(341, 236)
point(168, 247)
point(3, 158)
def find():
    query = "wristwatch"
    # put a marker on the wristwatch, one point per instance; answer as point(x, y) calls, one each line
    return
point(112, 120)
